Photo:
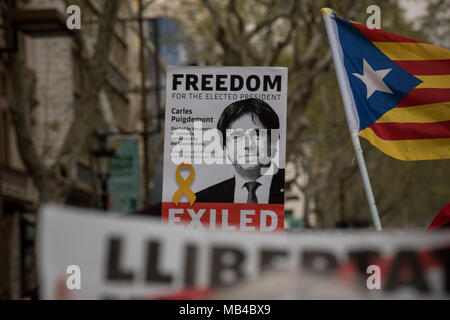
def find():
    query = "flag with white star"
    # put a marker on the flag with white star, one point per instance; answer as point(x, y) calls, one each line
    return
point(400, 89)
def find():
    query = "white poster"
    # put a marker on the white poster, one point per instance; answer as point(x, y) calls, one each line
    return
point(98, 256)
point(224, 151)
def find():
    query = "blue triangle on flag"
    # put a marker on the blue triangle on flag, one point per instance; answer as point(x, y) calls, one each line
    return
point(356, 48)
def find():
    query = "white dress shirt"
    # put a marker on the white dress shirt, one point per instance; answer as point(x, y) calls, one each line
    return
point(262, 192)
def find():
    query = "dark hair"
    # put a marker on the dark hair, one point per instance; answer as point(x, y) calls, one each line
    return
point(257, 107)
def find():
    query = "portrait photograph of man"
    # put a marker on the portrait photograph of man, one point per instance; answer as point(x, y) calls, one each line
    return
point(250, 131)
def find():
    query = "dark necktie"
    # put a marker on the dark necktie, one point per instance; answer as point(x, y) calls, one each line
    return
point(251, 187)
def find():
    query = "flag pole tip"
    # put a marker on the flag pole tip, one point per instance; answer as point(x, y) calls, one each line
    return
point(326, 12)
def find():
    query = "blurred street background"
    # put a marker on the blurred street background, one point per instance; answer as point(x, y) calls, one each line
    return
point(82, 111)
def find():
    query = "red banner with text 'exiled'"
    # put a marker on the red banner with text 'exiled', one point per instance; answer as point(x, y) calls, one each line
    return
point(225, 216)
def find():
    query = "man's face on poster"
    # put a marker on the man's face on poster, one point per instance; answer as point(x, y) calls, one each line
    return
point(249, 145)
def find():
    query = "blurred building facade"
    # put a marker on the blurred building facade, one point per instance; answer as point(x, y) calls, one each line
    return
point(171, 48)
point(56, 66)
point(54, 61)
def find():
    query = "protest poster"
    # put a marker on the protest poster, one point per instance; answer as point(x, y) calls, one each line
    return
point(224, 148)
point(133, 257)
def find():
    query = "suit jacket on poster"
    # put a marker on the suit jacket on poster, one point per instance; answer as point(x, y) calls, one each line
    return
point(224, 191)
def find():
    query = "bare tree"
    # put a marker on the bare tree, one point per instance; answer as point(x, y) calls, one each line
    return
point(55, 181)
point(291, 33)
point(271, 33)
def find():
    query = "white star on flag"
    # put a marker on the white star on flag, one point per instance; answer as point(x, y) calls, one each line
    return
point(373, 79)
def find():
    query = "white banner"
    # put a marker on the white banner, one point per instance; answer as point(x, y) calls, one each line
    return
point(100, 256)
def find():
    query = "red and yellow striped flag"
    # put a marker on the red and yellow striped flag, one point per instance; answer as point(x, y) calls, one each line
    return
point(401, 89)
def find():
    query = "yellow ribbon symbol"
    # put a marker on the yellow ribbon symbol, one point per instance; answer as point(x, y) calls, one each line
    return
point(184, 184)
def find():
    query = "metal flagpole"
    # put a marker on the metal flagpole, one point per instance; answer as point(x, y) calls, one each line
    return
point(352, 121)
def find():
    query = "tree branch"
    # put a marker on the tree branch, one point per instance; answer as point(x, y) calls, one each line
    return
point(22, 86)
point(87, 111)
